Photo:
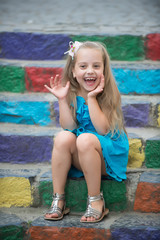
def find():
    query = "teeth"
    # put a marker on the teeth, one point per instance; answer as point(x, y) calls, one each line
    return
point(90, 79)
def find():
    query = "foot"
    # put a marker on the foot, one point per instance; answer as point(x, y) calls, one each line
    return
point(55, 215)
point(97, 205)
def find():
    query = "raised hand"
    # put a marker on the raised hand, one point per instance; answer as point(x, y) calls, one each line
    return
point(56, 87)
point(98, 89)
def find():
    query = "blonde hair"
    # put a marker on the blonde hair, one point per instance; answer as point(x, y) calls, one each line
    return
point(109, 100)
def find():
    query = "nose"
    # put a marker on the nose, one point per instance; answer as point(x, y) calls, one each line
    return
point(89, 70)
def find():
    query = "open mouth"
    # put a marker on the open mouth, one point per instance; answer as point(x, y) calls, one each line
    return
point(90, 81)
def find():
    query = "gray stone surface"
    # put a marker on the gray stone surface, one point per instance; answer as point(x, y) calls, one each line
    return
point(151, 177)
point(74, 221)
point(26, 173)
point(137, 220)
point(112, 221)
point(85, 16)
point(147, 64)
point(9, 219)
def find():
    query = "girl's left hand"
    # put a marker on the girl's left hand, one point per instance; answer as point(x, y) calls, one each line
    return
point(98, 89)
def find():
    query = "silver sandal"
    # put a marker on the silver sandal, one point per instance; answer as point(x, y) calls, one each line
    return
point(91, 212)
point(55, 209)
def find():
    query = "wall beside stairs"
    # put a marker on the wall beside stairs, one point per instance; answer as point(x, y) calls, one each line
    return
point(29, 119)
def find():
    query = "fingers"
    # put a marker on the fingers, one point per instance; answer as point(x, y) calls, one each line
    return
point(54, 82)
point(49, 89)
point(101, 85)
point(67, 85)
point(51, 82)
point(102, 81)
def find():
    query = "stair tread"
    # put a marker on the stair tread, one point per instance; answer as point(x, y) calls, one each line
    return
point(48, 97)
point(33, 130)
point(112, 221)
point(145, 64)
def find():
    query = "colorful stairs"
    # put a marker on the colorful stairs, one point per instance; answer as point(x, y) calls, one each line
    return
point(29, 122)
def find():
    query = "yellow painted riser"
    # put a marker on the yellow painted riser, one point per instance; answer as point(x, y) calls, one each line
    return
point(136, 153)
point(15, 191)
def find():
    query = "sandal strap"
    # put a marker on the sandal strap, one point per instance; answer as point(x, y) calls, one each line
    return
point(57, 197)
point(91, 212)
point(54, 207)
point(95, 198)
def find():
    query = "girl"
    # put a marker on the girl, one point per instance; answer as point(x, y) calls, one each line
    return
point(94, 139)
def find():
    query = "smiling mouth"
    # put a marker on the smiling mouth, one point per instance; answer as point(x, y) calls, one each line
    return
point(90, 81)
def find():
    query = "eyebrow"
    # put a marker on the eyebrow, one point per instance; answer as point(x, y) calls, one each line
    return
point(86, 63)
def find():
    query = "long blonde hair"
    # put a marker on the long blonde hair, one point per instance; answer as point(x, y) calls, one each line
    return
point(109, 100)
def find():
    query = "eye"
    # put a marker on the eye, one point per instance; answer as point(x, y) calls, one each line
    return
point(96, 66)
point(82, 66)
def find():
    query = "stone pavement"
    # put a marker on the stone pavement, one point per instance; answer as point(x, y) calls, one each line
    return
point(85, 16)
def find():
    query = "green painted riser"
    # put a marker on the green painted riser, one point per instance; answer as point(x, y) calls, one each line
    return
point(152, 154)
point(12, 79)
point(76, 194)
point(12, 233)
point(122, 48)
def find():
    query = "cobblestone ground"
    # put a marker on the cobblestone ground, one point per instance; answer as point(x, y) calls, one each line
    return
point(85, 16)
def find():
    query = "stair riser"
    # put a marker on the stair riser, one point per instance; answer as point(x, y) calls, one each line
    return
point(136, 114)
point(38, 149)
point(53, 46)
point(119, 196)
point(129, 81)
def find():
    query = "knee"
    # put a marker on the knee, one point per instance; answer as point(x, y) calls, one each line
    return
point(85, 142)
point(64, 139)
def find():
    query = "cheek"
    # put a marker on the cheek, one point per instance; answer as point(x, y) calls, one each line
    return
point(78, 74)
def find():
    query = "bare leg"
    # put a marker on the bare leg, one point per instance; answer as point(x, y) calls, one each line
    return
point(64, 147)
point(90, 160)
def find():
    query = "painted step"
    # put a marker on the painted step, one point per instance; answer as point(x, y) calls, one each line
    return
point(35, 145)
point(127, 226)
point(31, 186)
point(132, 78)
point(42, 109)
point(12, 227)
point(39, 46)
point(147, 193)
point(115, 226)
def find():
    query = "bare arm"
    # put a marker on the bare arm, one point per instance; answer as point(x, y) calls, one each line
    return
point(60, 92)
point(98, 118)
point(65, 119)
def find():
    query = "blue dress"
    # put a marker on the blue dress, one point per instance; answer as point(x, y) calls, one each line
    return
point(114, 148)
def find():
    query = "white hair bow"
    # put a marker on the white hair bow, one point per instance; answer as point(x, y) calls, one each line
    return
point(74, 46)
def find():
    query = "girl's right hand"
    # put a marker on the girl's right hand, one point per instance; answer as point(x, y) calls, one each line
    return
point(57, 89)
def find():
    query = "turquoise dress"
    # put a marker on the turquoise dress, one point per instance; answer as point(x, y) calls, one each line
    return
point(114, 148)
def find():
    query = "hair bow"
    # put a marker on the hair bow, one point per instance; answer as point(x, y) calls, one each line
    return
point(74, 46)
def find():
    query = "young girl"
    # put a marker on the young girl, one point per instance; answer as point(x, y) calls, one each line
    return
point(94, 138)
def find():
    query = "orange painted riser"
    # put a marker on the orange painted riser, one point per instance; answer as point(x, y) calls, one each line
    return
point(147, 197)
point(45, 233)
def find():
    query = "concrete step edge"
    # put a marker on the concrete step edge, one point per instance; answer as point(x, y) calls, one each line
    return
point(48, 97)
point(30, 215)
point(145, 64)
point(33, 130)
point(39, 168)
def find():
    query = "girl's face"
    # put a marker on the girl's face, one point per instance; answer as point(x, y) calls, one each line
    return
point(88, 69)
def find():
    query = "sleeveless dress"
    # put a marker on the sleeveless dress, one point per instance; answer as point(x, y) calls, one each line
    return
point(114, 148)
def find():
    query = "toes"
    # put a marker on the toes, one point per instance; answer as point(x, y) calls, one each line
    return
point(54, 215)
point(83, 218)
point(88, 219)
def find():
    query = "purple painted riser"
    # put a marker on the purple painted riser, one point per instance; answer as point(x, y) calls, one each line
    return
point(25, 149)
